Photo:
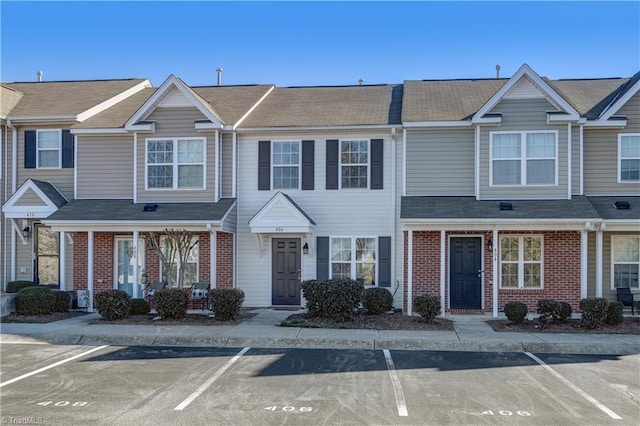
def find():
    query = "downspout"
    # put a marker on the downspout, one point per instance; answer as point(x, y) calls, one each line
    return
point(494, 273)
point(409, 272)
point(394, 205)
point(14, 186)
point(599, 259)
point(582, 159)
point(569, 162)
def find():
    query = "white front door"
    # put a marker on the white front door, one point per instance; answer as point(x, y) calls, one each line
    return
point(124, 265)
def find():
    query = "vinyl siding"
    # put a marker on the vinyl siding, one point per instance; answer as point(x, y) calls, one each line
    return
point(171, 123)
point(440, 162)
point(61, 178)
point(227, 165)
point(30, 198)
point(517, 116)
point(601, 155)
point(347, 212)
point(97, 178)
point(575, 160)
point(24, 259)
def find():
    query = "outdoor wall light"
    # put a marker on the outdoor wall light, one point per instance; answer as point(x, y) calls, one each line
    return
point(26, 231)
point(305, 248)
point(489, 245)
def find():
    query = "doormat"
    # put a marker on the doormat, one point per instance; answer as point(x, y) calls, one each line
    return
point(286, 308)
point(466, 311)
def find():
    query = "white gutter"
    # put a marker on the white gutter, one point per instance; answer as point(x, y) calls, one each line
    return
point(315, 128)
point(582, 159)
point(494, 257)
point(98, 131)
point(569, 162)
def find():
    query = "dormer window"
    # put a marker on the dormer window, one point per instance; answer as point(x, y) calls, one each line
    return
point(524, 158)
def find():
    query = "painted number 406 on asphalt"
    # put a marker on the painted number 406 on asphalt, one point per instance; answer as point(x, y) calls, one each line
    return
point(289, 408)
point(507, 413)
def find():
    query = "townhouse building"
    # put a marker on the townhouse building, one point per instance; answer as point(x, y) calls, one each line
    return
point(481, 191)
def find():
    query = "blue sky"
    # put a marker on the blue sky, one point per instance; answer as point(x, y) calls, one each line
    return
point(316, 43)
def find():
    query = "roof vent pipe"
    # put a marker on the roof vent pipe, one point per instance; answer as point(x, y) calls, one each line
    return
point(39, 73)
point(498, 71)
point(361, 81)
point(219, 71)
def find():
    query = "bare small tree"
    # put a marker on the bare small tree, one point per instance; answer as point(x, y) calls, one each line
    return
point(176, 246)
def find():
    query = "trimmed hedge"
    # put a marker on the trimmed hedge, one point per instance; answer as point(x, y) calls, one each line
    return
point(226, 303)
point(171, 303)
point(35, 300)
point(335, 299)
point(63, 300)
point(427, 306)
point(139, 307)
point(614, 313)
point(594, 312)
point(515, 312)
point(377, 300)
point(550, 308)
point(113, 304)
point(16, 286)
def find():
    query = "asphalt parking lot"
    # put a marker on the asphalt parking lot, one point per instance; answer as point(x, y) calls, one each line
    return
point(48, 384)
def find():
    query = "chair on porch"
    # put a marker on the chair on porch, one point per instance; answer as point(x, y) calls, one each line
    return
point(150, 290)
point(625, 297)
point(200, 292)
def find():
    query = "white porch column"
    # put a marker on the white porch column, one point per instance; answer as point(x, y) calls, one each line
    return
point(63, 260)
point(584, 253)
point(90, 269)
point(136, 271)
point(494, 275)
point(599, 243)
point(212, 261)
point(443, 270)
point(410, 272)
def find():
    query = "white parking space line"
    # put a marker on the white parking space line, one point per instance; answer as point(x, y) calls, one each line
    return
point(40, 370)
point(397, 387)
point(184, 404)
point(576, 389)
point(550, 394)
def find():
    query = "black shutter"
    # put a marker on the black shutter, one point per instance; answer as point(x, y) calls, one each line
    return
point(308, 152)
point(384, 261)
point(332, 164)
point(67, 149)
point(322, 258)
point(264, 165)
point(30, 150)
point(377, 154)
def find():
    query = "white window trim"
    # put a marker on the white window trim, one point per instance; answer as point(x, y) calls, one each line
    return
point(620, 136)
point(176, 260)
point(523, 158)
point(176, 163)
point(349, 164)
point(299, 165)
point(353, 260)
point(521, 262)
point(614, 238)
point(59, 148)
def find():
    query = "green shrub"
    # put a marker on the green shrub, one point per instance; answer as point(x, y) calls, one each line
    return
point(113, 304)
point(427, 306)
point(335, 299)
point(377, 300)
point(35, 300)
point(139, 307)
point(63, 299)
point(226, 302)
point(563, 311)
point(171, 303)
point(614, 313)
point(515, 312)
point(559, 311)
point(16, 286)
point(594, 312)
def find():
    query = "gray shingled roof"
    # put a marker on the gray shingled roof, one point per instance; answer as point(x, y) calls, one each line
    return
point(577, 208)
point(588, 96)
point(304, 213)
point(232, 102)
point(66, 98)
point(9, 98)
point(51, 192)
point(606, 209)
point(328, 106)
point(116, 116)
point(126, 211)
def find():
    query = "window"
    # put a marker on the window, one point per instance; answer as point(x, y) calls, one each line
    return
point(190, 267)
point(286, 164)
point(626, 261)
point(176, 163)
point(354, 258)
point(47, 255)
point(629, 158)
point(49, 148)
point(523, 158)
point(521, 261)
point(354, 163)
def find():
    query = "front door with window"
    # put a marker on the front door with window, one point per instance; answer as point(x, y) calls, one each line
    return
point(286, 264)
point(465, 273)
point(125, 266)
point(47, 256)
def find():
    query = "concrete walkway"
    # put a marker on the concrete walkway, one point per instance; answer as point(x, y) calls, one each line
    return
point(471, 333)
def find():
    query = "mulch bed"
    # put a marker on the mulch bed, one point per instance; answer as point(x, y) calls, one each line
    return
point(629, 325)
point(189, 319)
point(40, 319)
point(387, 321)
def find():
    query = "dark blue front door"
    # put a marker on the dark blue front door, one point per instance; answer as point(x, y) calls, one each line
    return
point(465, 266)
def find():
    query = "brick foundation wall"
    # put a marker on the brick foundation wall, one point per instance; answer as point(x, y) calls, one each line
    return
point(224, 260)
